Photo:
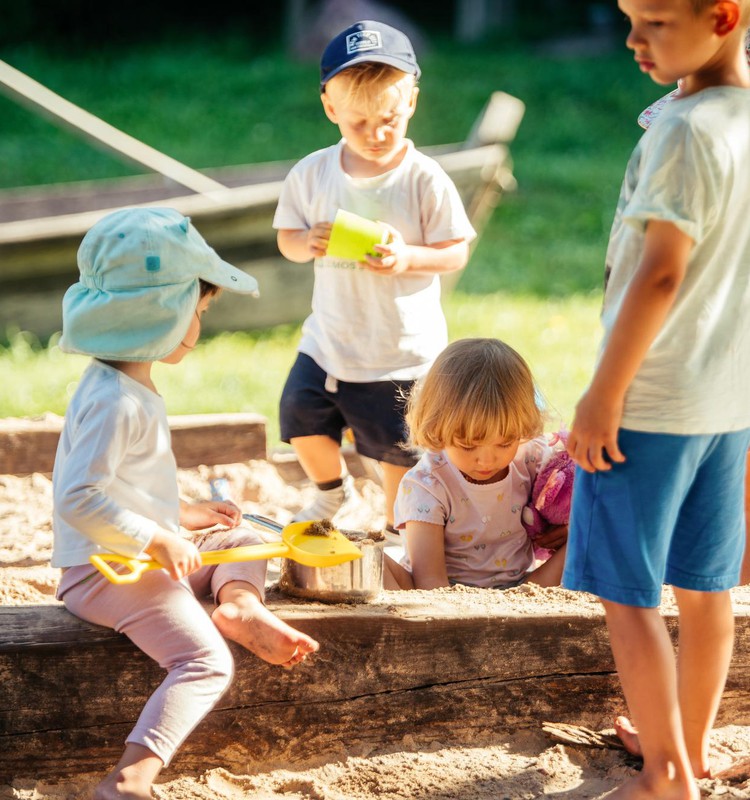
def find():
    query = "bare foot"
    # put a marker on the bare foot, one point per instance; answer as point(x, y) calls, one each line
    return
point(249, 623)
point(114, 790)
point(628, 735)
point(127, 784)
point(133, 776)
point(644, 787)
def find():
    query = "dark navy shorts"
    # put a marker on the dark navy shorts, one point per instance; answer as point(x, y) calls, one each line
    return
point(374, 412)
point(673, 512)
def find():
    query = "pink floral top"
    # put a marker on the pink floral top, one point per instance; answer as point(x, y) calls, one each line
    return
point(485, 543)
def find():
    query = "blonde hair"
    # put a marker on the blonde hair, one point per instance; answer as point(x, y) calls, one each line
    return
point(477, 390)
point(367, 83)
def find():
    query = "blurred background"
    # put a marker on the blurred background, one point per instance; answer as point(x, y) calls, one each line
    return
point(225, 83)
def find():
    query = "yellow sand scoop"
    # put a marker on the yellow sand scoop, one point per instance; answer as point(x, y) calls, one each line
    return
point(310, 549)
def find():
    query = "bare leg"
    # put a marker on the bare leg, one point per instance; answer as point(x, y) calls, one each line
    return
point(392, 475)
point(132, 777)
point(242, 617)
point(395, 576)
point(320, 457)
point(647, 668)
point(706, 640)
point(745, 572)
point(550, 572)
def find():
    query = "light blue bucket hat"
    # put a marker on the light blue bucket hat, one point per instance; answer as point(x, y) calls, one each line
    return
point(138, 287)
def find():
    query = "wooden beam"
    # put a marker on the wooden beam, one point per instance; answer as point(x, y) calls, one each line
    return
point(409, 667)
point(31, 93)
point(29, 445)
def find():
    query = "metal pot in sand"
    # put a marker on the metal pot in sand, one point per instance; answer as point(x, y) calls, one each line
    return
point(358, 581)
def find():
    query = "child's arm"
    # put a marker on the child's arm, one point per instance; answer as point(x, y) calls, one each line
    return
point(425, 543)
point(304, 244)
point(430, 259)
point(553, 538)
point(647, 303)
point(207, 513)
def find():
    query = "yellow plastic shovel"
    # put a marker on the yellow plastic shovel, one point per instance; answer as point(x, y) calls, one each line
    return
point(312, 550)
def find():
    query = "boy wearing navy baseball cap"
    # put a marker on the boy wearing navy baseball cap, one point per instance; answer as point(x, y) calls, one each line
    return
point(376, 323)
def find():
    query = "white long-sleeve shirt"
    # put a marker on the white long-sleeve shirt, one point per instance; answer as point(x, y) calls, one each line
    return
point(115, 476)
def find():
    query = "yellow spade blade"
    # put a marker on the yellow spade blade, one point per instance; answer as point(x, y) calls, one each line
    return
point(312, 550)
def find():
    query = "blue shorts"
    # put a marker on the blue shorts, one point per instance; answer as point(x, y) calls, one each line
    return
point(374, 412)
point(672, 513)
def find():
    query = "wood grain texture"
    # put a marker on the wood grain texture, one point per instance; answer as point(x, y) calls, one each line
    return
point(385, 675)
point(29, 445)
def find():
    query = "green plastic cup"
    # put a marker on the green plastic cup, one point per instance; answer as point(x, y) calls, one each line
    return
point(353, 237)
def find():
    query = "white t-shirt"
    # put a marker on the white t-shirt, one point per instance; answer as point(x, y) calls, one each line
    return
point(691, 168)
point(485, 542)
point(367, 327)
point(115, 476)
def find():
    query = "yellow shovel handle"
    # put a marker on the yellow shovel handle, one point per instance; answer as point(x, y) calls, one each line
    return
point(136, 566)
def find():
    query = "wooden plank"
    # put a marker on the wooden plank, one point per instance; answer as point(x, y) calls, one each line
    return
point(408, 670)
point(242, 201)
point(34, 95)
point(40, 309)
point(35, 239)
point(29, 445)
point(498, 122)
point(217, 438)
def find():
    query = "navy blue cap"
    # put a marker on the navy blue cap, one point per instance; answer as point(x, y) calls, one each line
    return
point(368, 41)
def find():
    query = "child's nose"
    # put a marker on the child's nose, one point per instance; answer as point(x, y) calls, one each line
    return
point(484, 457)
point(633, 39)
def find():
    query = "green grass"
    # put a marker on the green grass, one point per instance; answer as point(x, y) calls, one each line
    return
point(534, 278)
point(246, 371)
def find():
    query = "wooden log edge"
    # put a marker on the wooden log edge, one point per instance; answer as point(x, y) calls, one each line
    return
point(390, 674)
point(29, 445)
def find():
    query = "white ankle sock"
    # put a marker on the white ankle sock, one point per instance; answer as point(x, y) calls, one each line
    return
point(326, 503)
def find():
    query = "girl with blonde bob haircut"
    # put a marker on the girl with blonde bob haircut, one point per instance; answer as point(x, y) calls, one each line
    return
point(478, 389)
point(475, 415)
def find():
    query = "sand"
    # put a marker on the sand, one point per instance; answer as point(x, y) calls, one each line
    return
point(514, 765)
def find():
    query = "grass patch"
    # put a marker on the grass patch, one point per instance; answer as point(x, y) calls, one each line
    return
point(534, 278)
point(246, 371)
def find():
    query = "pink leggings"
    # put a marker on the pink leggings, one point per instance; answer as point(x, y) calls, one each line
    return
point(167, 621)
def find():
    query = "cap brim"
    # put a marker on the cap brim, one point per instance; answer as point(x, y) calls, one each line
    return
point(231, 278)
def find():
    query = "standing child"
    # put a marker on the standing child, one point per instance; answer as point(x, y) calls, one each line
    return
point(376, 325)
point(459, 508)
point(147, 277)
point(644, 120)
point(662, 432)
point(623, 726)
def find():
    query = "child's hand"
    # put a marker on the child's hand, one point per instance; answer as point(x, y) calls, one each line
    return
point(553, 538)
point(393, 256)
point(592, 442)
point(206, 514)
point(317, 238)
point(179, 557)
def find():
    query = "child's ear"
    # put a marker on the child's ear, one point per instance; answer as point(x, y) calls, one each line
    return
point(726, 16)
point(329, 108)
point(413, 101)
